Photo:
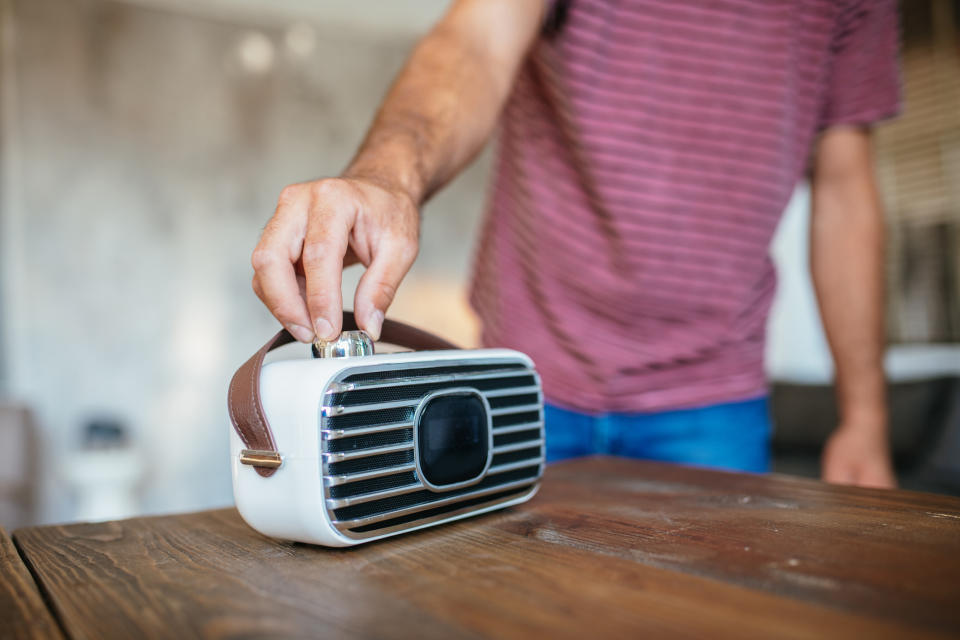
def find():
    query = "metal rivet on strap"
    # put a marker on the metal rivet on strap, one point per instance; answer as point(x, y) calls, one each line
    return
point(260, 458)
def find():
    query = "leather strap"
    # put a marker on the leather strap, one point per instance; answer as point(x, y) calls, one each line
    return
point(243, 398)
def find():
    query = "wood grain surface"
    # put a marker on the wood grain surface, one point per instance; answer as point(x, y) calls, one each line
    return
point(22, 611)
point(609, 548)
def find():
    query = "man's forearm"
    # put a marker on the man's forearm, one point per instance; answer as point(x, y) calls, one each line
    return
point(444, 104)
point(435, 118)
point(847, 249)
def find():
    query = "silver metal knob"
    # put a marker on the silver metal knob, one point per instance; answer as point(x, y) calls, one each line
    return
point(350, 343)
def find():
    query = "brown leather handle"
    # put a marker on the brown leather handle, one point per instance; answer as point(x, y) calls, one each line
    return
point(243, 398)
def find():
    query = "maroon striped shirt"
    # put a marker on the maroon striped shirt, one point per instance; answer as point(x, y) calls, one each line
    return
point(645, 157)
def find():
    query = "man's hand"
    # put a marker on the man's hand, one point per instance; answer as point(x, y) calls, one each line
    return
point(319, 228)
point(436, 117)
point(859, 454)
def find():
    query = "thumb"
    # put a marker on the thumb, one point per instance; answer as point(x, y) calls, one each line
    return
point(379, 283)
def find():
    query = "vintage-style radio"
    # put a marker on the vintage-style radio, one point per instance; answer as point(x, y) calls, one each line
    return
point(352, 446)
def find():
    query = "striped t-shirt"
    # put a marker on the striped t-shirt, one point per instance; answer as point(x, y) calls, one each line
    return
point(645, 157)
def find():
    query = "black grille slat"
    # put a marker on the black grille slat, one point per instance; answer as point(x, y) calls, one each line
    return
point(514, 401)
point(428, 513)
point(373, 484)
point(425, 496)
point(511, 419)
point(509, 384)
point(370, 463)
point(519, 436)
point(370, 418)
point(515, 456)
point(416, 390)
point(371, 376)
point(369, 441)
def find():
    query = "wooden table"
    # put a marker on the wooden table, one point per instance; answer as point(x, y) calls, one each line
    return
point(609, 548)
point(23, 613)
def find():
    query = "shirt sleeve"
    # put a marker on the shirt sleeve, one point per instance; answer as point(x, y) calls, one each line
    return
point(554, 17)
point(863, 85)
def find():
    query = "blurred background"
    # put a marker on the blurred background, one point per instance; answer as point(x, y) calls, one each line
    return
point(143, 144)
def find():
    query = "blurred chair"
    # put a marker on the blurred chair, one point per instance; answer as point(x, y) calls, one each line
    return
point(18, 465)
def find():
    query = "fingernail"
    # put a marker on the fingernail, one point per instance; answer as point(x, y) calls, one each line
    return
point(324, 329)
point(374, 324)
point(300, 333)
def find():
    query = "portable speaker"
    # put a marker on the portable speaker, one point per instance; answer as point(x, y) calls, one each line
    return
point(350, 447)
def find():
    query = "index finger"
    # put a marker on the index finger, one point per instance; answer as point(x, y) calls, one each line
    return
point(324, 247)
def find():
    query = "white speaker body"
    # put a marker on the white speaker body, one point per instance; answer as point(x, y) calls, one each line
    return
point(345, 430)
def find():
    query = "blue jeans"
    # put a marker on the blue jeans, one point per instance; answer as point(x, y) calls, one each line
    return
point(734, 435)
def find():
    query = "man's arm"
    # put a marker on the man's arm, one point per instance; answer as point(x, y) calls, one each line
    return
point(436, 117)
point(847, 249)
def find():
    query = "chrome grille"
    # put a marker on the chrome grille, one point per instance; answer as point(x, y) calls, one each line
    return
point(370, 480)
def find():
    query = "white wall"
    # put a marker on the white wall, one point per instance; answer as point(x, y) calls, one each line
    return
point(143, 150)
point(796, 347)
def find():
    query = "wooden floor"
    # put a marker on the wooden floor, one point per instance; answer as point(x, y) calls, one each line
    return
point(609, 548)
